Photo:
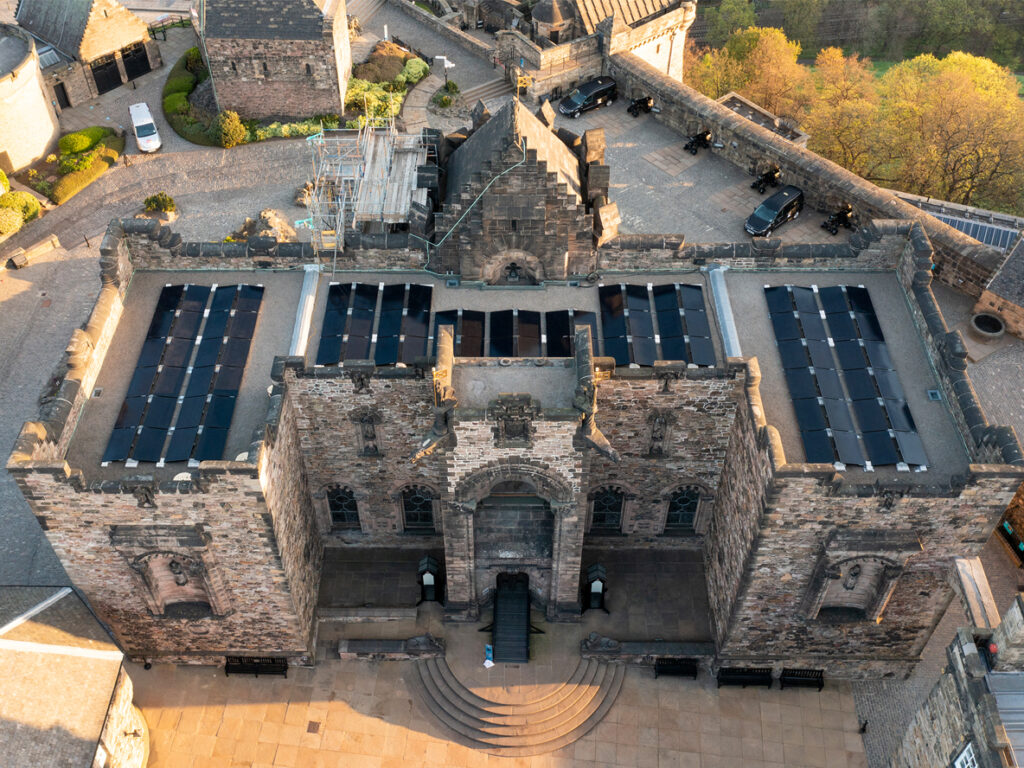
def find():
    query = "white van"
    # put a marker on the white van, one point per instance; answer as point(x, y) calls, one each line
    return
point(146, 135)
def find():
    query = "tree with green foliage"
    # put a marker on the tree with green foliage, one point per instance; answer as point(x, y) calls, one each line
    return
point(10, 221)
point(728, 17)
point(227, 129)
point(24, 203)
point(800, 20)
point(771, 78)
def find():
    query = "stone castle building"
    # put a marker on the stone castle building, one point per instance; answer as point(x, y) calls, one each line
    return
point(279, 59)
point(22, 93)
point(87, 47)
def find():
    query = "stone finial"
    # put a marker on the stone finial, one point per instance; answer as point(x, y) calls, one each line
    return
point(593, 146)
point(606, 223)
point(546, 113)
point(480, 114)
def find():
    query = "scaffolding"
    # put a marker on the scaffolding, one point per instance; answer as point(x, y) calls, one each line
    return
point(361, 176)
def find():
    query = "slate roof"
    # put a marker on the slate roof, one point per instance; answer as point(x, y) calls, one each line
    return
point(502, 131)
point(61, 23)
point(1008, 282)
point(264, 19)
point(552, 12)
point(593, 12)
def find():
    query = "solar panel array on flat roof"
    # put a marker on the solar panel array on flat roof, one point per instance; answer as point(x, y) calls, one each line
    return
point(181, 398)
point(848, 401)
point(644, 323)
point(989, 234)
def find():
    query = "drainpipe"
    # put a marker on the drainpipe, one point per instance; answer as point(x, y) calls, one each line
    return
point(723, 311)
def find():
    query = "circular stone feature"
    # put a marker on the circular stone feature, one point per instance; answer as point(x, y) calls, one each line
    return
point(987, 326)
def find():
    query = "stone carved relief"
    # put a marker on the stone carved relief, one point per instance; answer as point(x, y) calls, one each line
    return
point(441, 431)
point(360, 381)
point(367, 419)
point(515, 415)
point(659, 421)
point(177, 585)
point(851, 589)
point(145, 495)
point(585, 401)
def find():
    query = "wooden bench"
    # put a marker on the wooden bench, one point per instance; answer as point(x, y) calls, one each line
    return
point(256, 665)
point(802, 678)
point(745, 676)
point(677, 667)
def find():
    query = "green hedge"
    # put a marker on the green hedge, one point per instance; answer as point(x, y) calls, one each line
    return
point(75, 182)
point(179, 79)
point(176, 104)
point(22, 202)
point(83, 140)
point(10, 221)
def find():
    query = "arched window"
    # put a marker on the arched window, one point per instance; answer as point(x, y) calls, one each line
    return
point(682, 510)
point(309, 69)
point(418, 509)
point(341, 501)
point(606, 510)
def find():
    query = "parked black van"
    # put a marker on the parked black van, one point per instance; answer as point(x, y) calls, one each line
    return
point(593, 93)
point(775, 211)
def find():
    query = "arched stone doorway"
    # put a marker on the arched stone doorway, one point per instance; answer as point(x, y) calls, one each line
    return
point(513, 267)
point(513, 531)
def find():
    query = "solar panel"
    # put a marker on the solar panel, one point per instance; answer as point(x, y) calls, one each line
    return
point(692, 296)
point(358, 346)
point(199, 382)
point(674, 348)
point(211, 445)
point(989, 234)
point(186, 325)
point(841, 327)
point(779, 299)
point(828, 383)
point(702, 351)
point(219, 413)
point(871, 416)
point(413, 347)
point(670, 323)
point(142, 382)
point(911, 448)
point(386, 351)
point(242, 325)
point(151, 354)
point(228, 380)
point(899, 415)
point(813, 326)
point(851, 355)
point(178, 352)
point(120, 444)
point(818, 448)
point(216, 324)
point(793, 354)
point(160, 412)
point(641, 324)
point(838, 412)
point(697, 323)
point(130, 415)
point(160, 326)
point(558, 333)
point(848, 447)
point(665, 297)
point(502, 344)
point(392, 298)
point(833, 299)
point(149, 445)
point(365, 296)
point(805, 299)
point(880, 448)
point(529, 333)
point(209, 352)
point(860, 300)
point(645, 351)
point(870, 330)
point(170, 297)
point(191, 412)
point(390, 325)
point(180, 446)
point(168, 381)
point(801, 383)
point(821, 354)
point(235, 352)
point(472, 343)
point(618, 348)
point(810, 415)
point(878, 355)
point(637, 298)
point(786, 327)
point(249, 298)
point(860, 384)
point(329, 351)
point(223, 298)
point(195, 297)
point(888, 384)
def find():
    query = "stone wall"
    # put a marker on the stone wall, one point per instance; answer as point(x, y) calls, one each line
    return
point(477, 46)
point(119, 746)
point(525, 211)
point(110, 28)
point(76, 79)
point(1011, 312)
point(962, 262)
point(265, 78)
point(554, 70)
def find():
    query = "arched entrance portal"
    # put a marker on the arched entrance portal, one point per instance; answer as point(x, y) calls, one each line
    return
point(513, 531)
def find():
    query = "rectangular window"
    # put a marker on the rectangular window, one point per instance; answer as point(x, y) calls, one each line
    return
point(966, 759)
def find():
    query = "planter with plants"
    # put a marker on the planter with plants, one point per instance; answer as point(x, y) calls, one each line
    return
point(160, 206)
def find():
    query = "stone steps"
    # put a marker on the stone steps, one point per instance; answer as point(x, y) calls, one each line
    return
point(486, 91)
point(519, 729)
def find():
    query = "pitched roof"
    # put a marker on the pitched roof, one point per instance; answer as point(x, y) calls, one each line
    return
point(61, 23)
point(503, 130)
point(264, 20)
point(593, 12)
point(552, 12)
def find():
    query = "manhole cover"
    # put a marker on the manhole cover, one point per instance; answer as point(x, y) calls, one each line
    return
point(313, 727)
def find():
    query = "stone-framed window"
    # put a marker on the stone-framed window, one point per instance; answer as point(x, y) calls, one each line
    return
point(684, 506)
point(177, 585)
point(418, 509)
point(344, 509)
point(967, 758)
point(852, 590)
point(606, 511)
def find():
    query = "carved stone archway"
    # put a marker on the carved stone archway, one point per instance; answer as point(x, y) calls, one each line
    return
point(513, 267)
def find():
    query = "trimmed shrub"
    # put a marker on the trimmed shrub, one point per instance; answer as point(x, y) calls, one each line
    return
point(415, 70)
point(180, 84)
point(106, 157)
point(451, 86)
point(83, 140)
point(78, 162)
point(25, 204)
point(388, 48)
point(5, 185)
point(379, 69)
point(10, 221)
point(227, 129)
point(176, 104)
point(43, 187)
point(193, 59)
point(161, 201)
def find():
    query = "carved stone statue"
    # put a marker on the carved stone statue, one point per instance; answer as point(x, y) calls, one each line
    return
point(444, 405)
point(585, 401)
point(360, 381)
point(515, 415)
point(659, 421)
point(367, 419)
point(145, 496)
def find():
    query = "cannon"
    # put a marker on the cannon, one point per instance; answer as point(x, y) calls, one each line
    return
point(842, 218)
point(769, 178)
point(699, 140)
point(642, 104)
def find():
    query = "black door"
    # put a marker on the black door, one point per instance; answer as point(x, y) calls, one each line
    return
point(510, 631)
point(106, 74)
point(62, 95)
point(136, 62)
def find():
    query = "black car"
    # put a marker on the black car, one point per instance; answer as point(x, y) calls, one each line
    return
point(775, 211)
point(593, 93)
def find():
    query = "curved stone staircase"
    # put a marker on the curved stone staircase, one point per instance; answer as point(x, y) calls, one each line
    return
point(523, 728)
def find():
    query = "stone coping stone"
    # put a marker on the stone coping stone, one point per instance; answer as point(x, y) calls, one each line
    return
point(419, 647)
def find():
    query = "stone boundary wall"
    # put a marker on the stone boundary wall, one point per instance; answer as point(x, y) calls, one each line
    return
point(555, 67)
point(963, 263)
point(118, 739)
point(478, 47)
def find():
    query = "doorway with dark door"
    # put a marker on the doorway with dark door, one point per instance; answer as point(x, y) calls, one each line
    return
point(62, 95)
point(106, 74)
point(136, 60)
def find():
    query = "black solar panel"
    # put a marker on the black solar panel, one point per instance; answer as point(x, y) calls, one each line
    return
point(216, 324)
point(211, 445)
point(170, 297)
point(161, 324)
point(833, 300)
point(860, 385)
point(186, 325)
point(641, 324)
point(357, 347)
point(818, 448)
point(645, 352)
point(142, 382)
point(692, 296)
point(899, 415)
point(228, 380)
point(618, 348)
point(151, 354)
point(413, 347)
point(848, 447)
point(813, 326)
point(871, 416)
point(801, 383)
point(223, 298)
point(828, 383)
point(860, 300)
point(674, 349)
point(191, 413)
point(472, 344)
point(149, 444)
point(242, 325)
point(878, 355)
point(851, 355)
point(989, 234)
point(365, 296)
point(235, 352)
point(637, 298)
point(810, 415)
point(392, 298)
point(529, 333)
point(821, 354)
point(888, 384)
point(119, 445)
point(199, 382)
point(178, 352)
point(779, 299)
point(180, 446)
point(160, 412)
point(881, 448)
point(839, 417)
point(501, 334)
point(195, 297)
point(670, 323)
point(249, 298)
point(386, 351)
point(911, 448)
point(702, 351)
point(168, 381)
point(559, 334)
point(209, 352)
point(786, 327)
point(219, 413)
point(841, 327)
point(805, 299)
point(130, 415)
point(868, 325)
point(697, 323)
point(329, 351)
point(793, 354)
point(666, 297)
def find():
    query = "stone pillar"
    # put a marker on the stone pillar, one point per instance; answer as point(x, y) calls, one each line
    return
point(460, 589)
point(675, 56)
point(1009, 637)
point(566, 559)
